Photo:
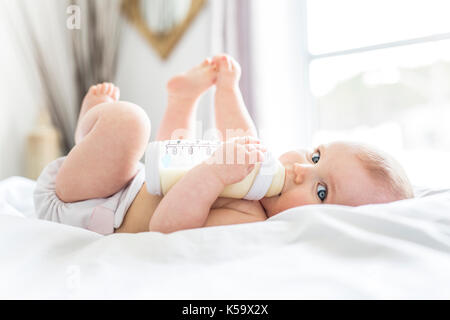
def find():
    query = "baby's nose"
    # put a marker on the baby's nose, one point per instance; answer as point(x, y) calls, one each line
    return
point(301, 172)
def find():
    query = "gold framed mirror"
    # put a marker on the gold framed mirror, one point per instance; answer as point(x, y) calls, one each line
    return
point(162, 22)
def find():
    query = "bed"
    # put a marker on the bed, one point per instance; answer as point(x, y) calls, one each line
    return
point(399, 250)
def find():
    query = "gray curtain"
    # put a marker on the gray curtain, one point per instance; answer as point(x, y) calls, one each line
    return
point(95, 45)
point(232, 33)
point(68, 62)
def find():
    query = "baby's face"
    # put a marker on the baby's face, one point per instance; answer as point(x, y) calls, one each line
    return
point(330, 174)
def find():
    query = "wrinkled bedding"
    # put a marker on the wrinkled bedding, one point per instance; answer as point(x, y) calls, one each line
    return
point(399, 250)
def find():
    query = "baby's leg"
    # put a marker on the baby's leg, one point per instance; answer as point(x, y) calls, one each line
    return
point(111, 137)
point(232, 117)
point(184, 91)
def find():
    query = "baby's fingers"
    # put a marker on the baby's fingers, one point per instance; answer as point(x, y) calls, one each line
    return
point(254, 146)
point(247, 140)
point(254, 155)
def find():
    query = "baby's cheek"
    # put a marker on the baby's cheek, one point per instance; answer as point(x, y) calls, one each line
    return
point(293, 199)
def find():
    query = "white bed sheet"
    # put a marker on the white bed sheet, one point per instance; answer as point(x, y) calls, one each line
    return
point(390, 251)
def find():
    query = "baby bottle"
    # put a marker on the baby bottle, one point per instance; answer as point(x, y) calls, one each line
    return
point(168, 161)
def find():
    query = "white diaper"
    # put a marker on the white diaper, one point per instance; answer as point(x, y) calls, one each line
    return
point(101, 215)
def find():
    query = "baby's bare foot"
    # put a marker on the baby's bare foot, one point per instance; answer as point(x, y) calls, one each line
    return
point(100, 93)
point(228, 71)
point(194, 82)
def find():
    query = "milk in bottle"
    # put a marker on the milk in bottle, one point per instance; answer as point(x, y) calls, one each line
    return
point(168, 161)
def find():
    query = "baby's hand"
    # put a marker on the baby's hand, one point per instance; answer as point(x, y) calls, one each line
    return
point(235, 159)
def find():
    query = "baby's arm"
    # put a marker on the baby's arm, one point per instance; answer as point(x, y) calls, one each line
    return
point(188, 203)
point(232, 117)
point(183, 207)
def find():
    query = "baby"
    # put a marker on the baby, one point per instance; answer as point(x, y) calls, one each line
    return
point(100, 185)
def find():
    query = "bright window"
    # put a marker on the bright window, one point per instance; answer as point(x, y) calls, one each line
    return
point(380, 72)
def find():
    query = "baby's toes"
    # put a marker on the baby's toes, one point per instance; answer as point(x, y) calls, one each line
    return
point(100, 89)
point(215, 67)
point(221, 63)
point(225, 63)
point(207, 62)
point(92, 90)
point(235, 65)
point(216, 60)
point(112, 91)
point(115, 93)
point(109, 87)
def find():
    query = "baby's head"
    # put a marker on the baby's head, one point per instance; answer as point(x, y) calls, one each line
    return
point(339, 173)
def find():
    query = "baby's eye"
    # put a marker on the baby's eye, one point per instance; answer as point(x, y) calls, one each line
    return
point(321, 192)
point(315, 157)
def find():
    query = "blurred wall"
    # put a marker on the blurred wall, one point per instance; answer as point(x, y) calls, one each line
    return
point(18, 106)
point(142, 77)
